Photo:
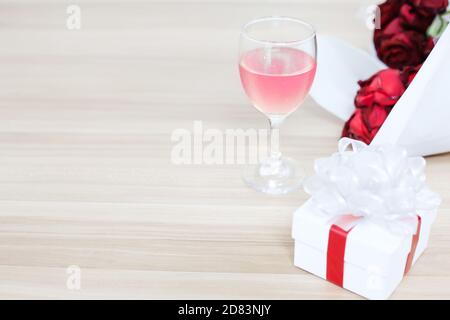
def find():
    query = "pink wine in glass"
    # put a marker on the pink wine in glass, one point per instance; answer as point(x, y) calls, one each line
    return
point(277, 80)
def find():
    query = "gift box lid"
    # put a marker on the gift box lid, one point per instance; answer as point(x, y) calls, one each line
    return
point(368, 245)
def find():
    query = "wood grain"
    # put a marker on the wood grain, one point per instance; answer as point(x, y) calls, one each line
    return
point(86, 178)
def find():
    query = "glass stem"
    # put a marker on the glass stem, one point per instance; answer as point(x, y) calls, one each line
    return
point(274, 141)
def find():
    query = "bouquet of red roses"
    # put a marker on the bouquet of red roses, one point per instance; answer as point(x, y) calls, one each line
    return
point(403, 42)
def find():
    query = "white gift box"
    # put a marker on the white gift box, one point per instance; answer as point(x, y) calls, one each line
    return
point(375, 259)
point(368, 219)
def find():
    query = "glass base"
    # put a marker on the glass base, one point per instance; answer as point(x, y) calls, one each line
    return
point(274, 177)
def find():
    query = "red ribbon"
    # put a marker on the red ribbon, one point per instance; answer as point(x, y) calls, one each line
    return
point(335, 254)
point(337, 240)
point(414, 242)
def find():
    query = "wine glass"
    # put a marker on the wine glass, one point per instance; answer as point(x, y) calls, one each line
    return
point(277, 65)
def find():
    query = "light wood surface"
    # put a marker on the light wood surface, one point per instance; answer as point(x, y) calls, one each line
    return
point(86, 179)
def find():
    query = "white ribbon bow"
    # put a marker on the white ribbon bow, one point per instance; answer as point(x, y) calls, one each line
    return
point(379, 183)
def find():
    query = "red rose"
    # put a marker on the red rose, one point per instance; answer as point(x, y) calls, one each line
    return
point(415, 18)
point(383, 89)
point(433, 5)
point(429, 45)
point(398, 47)
point(374, 102)
point(355, 128)
point(389, 10)
point(408, 74)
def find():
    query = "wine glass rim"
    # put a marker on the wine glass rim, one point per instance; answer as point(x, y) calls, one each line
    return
point(245, 34)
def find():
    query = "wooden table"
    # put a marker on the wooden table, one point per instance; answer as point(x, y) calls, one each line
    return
point(86, 178)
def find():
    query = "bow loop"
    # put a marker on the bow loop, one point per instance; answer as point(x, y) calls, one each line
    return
point(379, 183)
point(345, 143)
